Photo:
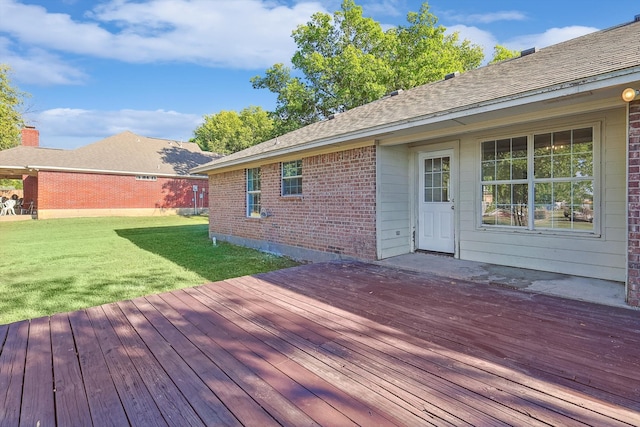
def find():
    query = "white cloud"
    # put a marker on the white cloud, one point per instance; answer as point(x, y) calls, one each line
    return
point(37, 66)
point(72, 127)
point(225, 33)
point(548, 38)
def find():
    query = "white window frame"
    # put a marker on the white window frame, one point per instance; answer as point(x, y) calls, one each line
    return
point(290, 178)
point(531, 181)
point(252, 192)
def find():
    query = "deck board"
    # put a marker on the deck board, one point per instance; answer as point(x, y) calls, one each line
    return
point(237, 361)
point(418, 357)
point(269, 342)
point(72, 405)
point(136, 399)
point(326, 344)
point(192, 390)
point(102, 397)
point(39, 408)
point(355, 371)
point(388, 362)
point(12, 361)
point(450, 332)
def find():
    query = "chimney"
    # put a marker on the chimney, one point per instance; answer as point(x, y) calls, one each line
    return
point(30, 136)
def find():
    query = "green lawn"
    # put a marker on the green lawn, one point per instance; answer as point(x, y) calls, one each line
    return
point(51, 266)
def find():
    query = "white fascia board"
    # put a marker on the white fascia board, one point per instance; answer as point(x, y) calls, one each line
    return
point(109, 172)
point(540, 95)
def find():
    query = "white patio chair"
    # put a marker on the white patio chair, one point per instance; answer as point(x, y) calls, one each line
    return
point(8, 207)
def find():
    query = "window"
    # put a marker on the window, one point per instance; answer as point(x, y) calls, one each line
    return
point(292, 178)
point(437, 173)
point(504, 182)
point(253, 193)
point(541, 181)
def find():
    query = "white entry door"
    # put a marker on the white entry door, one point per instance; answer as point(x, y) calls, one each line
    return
point(435, 231)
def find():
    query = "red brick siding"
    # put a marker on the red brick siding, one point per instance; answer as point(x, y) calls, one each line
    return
point(335, 214)
point(633, 285)
point(30, 189)
point(66, 190)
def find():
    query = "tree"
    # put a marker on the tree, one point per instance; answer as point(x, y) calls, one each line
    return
point(11, 100)
point(346, 60)
point(296, 105)
point(423, 53)
point(228, 131)
point(501, 53)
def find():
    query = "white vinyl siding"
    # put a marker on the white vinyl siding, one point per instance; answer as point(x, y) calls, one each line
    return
point(393, 201)
point(599, 254)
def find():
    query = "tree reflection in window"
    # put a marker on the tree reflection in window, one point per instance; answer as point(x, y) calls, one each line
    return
point(563, 168)
point(505, 187)
point(562, 181)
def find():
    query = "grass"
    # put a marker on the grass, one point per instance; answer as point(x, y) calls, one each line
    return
point(52, 266)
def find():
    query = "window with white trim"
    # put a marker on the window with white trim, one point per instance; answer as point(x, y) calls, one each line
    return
point(543, 181)
point(146, 178)
point(292, 178)
point(253, 193)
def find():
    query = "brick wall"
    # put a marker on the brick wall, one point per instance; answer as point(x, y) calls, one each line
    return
point(336, 212)
point(30, 189)
point(65, 190)
point(633, 285)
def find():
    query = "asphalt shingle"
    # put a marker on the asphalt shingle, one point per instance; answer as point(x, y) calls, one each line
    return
point(125, 152)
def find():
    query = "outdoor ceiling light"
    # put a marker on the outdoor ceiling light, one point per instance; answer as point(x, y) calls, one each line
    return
point(629, 94)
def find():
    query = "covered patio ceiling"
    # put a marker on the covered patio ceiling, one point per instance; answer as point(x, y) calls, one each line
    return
point(16, 172)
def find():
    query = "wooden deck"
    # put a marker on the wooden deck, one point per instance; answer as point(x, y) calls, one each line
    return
point(326, 344)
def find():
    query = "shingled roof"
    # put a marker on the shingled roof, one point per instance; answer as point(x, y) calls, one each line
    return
point(124, 153)
point(587, 59)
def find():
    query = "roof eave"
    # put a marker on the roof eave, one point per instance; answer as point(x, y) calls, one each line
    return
point(108, 172)
point(539, 95)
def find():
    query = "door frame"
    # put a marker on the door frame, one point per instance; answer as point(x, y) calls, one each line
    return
point(434, 150)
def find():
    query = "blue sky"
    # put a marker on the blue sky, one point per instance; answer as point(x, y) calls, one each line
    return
point(156, 67)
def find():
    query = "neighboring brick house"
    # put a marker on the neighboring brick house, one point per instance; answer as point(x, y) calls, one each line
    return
point(520, 163)
point(123, 175)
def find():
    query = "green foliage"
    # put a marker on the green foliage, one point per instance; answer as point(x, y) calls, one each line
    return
point(60, 265)
point(227, 131)
point(296, 105)
point(11, 100)
point(501, 53)
point(15, 183)
point(346, 60)
point(422, 53)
